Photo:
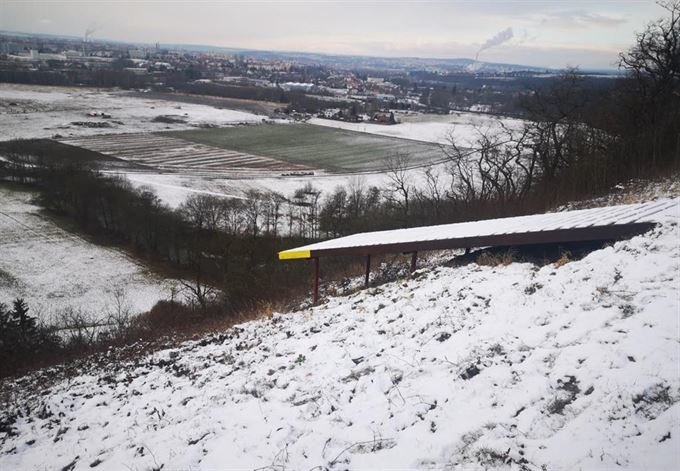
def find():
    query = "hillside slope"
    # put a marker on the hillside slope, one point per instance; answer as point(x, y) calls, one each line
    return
point(59, 273)
point(516, 366)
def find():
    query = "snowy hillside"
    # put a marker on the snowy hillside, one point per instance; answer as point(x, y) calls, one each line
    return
point(57, 272)
point(555, 367)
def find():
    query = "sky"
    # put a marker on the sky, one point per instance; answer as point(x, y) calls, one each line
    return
point(557, 33)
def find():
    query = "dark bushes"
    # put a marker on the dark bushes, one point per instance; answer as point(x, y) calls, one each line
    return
point(21, 337)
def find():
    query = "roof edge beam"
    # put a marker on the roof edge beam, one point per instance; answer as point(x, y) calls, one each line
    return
point(609, 232)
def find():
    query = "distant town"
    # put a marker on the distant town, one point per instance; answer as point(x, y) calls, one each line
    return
point(343, 88)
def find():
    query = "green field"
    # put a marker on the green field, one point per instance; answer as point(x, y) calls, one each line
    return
point(335, 150)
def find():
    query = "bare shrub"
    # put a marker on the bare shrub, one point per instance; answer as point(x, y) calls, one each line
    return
point(77, 327)
point(119, 313)
point(166, 316)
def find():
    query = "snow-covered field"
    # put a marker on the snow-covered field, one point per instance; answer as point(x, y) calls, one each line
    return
point(464, 127)
point(28, 111)
point(54, 270)
point(476, 367)
point(173, 189)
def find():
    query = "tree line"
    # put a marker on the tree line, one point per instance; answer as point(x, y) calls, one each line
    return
point(291, 100)
point(77, 77)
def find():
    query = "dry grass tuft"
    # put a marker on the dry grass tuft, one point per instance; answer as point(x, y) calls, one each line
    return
point(563, 260)
point(493, 260)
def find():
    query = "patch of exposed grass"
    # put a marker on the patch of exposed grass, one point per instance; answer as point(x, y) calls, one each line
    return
point(336, 150)
point(7, 280)
point(53, 150)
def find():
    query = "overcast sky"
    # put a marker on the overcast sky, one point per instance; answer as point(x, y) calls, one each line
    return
point(543, 33)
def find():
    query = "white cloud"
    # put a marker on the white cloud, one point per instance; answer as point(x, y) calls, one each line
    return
point(577, 19)
point(424, 29)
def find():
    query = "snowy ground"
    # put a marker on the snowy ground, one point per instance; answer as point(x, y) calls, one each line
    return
point(476, 367)
point(174, 188)
point(28, 111)
point(464, 127)
point(54, 270)
point(634, 191)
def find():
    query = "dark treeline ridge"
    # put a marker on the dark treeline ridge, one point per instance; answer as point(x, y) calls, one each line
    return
point(84, 77)
point(290, 100)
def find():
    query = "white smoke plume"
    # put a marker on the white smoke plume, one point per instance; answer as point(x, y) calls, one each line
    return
point(496, 40)
point(90, 31)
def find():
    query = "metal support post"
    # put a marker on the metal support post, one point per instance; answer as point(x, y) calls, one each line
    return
point(316, 281)
point(368, 270)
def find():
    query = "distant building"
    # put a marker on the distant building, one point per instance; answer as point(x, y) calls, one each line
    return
point(137, 53)
point(136, 70)
point(297, 86)
point(383, 117)
point(11, 48)
point(163, 66)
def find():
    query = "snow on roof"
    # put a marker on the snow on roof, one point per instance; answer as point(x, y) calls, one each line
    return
point(586, 224)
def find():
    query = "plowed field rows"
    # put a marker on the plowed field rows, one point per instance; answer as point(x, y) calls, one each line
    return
point(171, 153)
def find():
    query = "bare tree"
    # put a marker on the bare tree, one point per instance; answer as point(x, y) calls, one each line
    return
point(204, 211)
point(334, 212)
point(197, 292)
point(356, 196)
point(654, 59)
point(233, 219)
point(253, 209)
point(120, 312)
point(499, 163)
point(306, 201)
point(291, 209)
point(433, 192)
point(556, 123)
point(400, 188)
point(277, 201)
point(654, 64)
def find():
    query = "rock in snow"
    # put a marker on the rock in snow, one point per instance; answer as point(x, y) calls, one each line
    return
point(520, 367)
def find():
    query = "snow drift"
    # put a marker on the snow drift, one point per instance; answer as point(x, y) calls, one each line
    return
point(518, 366)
